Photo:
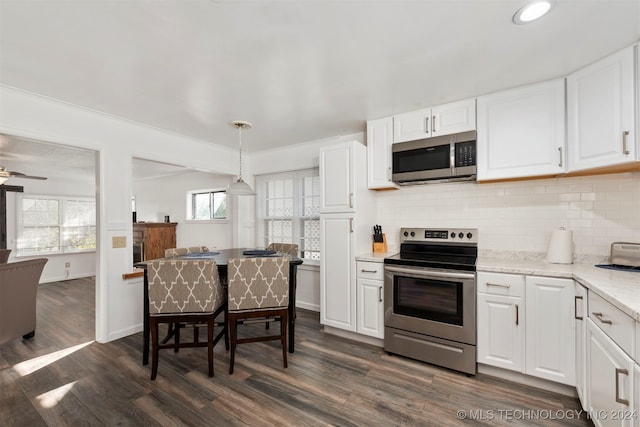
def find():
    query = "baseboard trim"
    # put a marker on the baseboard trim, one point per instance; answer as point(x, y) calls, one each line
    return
point(308, 306)
point(528, 380)
point(354, 336)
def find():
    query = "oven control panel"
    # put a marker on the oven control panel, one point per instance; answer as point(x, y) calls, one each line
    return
point(439, 235)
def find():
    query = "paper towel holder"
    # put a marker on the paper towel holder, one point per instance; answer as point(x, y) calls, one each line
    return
point(561, 247)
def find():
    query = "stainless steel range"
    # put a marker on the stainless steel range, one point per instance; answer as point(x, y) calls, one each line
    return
point(430, 297)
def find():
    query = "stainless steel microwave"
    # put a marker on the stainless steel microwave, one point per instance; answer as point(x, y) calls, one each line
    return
point(439, 159)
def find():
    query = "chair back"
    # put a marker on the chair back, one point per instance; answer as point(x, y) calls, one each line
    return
point(4, 255)
point(18, 291)
point(258, 283)
point(287, 248)
point(174, 252)
point(184, 286)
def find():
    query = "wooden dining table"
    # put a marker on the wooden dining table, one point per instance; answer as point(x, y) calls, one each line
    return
point(222, 257)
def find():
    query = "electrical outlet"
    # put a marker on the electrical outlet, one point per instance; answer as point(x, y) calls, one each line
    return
point(118, 242)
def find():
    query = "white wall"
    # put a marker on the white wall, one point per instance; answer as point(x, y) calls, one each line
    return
point(117, 141)
point(158, 197)
point(80, 264)
point(519, 216)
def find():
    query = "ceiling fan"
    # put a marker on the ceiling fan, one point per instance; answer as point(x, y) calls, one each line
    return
point(6, 174)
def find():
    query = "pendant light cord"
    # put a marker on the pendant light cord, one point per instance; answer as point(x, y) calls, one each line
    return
point(240, 143)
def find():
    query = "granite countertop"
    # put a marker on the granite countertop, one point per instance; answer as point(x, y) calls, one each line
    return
point(620, 288)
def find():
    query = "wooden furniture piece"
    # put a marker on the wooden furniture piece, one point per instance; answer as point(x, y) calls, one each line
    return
point(18, 291)
point(154, 238)
point(258, 289)
point(4, 255)
point(221, 258)
point(185, 291)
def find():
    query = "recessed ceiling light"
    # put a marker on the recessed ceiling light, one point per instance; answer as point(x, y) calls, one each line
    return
point(532, 11)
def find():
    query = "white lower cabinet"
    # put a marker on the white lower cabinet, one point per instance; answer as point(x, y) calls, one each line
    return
point(337, 278)
point(550, 329)
point(370, 307)
point(526, 324)
point(500, 333)
point(581, 343)
point(609, 380)
point(636, 394)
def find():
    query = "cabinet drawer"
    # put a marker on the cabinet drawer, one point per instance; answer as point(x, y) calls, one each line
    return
point(511, 285)
point(613, 322)
point(370, 270)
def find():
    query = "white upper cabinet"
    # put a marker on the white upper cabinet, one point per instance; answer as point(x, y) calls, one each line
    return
point(601, 113)
point(379, 141)
point(453, 118)
point(521, 132)
point(435, 121)
point(337, 183)
point(411, 126)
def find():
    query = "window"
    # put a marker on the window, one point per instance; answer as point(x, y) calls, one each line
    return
point(205, 205)
point(51, 224)
point(289, 210)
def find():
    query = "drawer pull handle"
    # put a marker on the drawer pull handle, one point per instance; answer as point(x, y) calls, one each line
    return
point(500, 285)
point(625, 147)
point(575, 307)
point(517, 315)
point(599, 317)
point(618, 372)
point(368, 271)
point(379, 293)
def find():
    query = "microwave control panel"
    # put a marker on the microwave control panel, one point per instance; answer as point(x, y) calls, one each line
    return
point(465, 154)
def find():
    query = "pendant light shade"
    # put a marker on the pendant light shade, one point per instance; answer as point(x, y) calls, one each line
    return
point(239, 187)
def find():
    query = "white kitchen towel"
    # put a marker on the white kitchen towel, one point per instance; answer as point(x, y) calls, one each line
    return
point(561, 247)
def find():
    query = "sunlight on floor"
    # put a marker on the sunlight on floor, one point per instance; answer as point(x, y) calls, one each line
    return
point(52, 397)
point(30, 366)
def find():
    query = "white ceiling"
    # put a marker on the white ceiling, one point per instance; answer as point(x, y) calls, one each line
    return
point(298, 70)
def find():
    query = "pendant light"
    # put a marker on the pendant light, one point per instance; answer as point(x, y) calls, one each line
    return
point(239, 187)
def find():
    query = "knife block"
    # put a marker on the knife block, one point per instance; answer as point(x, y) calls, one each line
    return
point(380, 247)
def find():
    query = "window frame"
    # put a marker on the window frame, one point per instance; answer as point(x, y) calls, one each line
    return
point(190, 200)
point(297, 217)
point(63, 201)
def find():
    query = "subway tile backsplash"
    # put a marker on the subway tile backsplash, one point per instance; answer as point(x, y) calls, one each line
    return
point(519, 216)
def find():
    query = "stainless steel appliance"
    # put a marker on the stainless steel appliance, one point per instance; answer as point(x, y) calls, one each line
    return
point(430, 297)
point(625, 256)
point(442, 158)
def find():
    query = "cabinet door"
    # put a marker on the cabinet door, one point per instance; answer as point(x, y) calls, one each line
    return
point(337, 271)
point(454, 117)
point(336, 178)
point(379, 141)
point(601, 112)
point(636, 394)
point(609, 372)
point(581, 315)
point(501, 331)
point(550, 330)
point(521, 132)
point(370, 308)
point(411, 126)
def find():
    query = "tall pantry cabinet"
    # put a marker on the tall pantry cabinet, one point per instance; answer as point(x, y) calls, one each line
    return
point(347, 215)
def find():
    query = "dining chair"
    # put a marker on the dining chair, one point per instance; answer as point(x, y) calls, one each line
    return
point(287, 248)
point(258, 289)
point(174, 252)
point(185, 292)
point(4, 255)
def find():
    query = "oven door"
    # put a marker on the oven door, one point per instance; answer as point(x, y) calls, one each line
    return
point(439, 303)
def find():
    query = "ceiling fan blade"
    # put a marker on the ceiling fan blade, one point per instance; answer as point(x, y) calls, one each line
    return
point(21, 175)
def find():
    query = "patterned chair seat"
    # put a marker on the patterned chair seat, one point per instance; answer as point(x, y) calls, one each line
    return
point(185, 291)
point(258, 288)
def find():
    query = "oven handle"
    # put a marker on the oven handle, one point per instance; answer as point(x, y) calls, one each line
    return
point(429, 273)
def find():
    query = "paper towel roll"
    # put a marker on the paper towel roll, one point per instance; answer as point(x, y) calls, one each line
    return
point(561, 247)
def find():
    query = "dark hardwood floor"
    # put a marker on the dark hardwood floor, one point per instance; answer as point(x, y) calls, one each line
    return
point(62, 377)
